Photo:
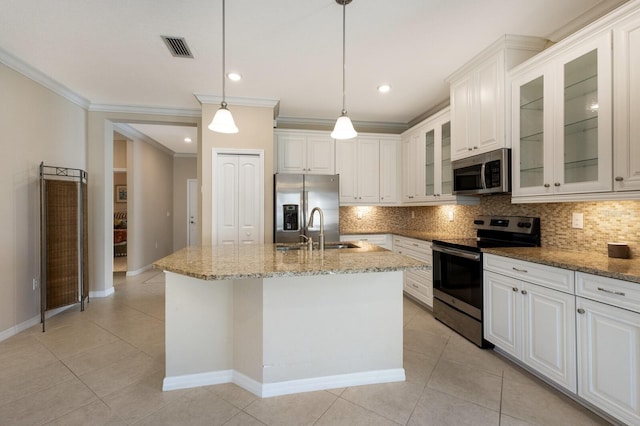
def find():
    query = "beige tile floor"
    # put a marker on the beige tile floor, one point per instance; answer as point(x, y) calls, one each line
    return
point(105, 366)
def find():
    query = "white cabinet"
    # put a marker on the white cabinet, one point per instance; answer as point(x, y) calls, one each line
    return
point(479, 92)
point(418, 284)
point(305, 152)
point(626, 86)
point(609, 345)
point(368, 168)
point(561, 121)
point(534, 323)
point(427, 173)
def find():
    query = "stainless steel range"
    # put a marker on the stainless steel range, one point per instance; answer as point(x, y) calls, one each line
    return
point(457, 270)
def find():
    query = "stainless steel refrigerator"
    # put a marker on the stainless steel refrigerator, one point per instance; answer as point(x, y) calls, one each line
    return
point(295, 196)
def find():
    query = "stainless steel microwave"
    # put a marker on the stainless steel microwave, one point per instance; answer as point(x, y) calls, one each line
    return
point(488, 173)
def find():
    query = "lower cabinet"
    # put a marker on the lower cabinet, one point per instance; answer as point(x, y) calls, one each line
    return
point(382, 240)
point(534, 324)
point(418, 284)
point(609, 354)
point(581, 331)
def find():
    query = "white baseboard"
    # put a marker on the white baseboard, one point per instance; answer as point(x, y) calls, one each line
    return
point(10, 332)
point(139, 271)
point(102, 293)
point(283, 388)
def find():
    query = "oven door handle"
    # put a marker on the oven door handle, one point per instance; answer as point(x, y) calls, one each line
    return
point(457, 252)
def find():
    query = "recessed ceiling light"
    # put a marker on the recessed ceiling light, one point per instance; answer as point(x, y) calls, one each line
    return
point(187, 140)
point(234, 76)
point(384, 88)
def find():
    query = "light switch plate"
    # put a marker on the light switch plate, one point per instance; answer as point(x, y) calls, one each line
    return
point(577, 220)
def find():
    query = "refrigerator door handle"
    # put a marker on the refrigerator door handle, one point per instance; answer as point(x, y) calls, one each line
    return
point(305, 205)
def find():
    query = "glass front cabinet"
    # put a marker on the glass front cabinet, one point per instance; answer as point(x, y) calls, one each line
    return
point(561, 122)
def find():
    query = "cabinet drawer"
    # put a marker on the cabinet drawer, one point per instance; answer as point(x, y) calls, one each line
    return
point(614, 292)
point(546, 276)
point(412, 244)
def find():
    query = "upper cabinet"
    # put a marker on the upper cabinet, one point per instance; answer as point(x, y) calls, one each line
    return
point(626, 86)
point(479, 96)
point(426, 153)
point(561, 122)
point(305, 152)
point(368, 168)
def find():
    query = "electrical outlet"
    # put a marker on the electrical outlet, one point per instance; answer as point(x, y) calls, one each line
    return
point(35, 283)
point(359, 214)
point(450, 215)
point(577, 220)
point(413, 214)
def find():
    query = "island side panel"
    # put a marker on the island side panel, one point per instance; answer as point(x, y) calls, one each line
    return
point(247, 342)
point(198, 326)
point(326, 325)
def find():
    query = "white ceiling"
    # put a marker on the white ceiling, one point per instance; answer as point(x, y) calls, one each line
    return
point(110, 52)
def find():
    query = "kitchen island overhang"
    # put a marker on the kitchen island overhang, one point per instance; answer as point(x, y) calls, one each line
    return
point(280, 322)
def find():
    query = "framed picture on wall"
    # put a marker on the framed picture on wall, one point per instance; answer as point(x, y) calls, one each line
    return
point(121, 193)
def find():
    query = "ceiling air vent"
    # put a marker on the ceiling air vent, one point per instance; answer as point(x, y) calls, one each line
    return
point(177, 46)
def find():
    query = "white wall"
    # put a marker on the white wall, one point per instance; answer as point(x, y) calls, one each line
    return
point(37, 125)
point(183, 168)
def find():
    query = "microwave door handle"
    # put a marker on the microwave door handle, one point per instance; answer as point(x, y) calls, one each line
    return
point(482, 178)
point(457, 252)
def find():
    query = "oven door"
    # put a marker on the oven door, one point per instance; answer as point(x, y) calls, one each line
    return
point(457, 279)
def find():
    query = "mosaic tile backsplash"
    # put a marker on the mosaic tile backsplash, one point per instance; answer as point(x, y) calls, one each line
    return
point(605, 221)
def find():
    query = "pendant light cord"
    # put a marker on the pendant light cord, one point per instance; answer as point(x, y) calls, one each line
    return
point(223, 54)
point(344, 63)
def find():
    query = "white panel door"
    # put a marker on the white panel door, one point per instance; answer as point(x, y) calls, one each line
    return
point(550, 333)
point(368, 171)
point(226, 201)
point(249, 209)
point(501, 312)
point(626, 84)
point(609, 359)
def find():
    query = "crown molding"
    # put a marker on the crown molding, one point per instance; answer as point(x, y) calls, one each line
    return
point(39, 77)
point(250, 102)
point(134, 134)
point(138, 109)
point(327, 124)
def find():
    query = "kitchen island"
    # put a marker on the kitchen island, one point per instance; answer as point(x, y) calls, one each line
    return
point(276, 320)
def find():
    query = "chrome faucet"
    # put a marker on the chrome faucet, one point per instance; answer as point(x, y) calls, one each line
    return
point(308, 241)
point(310, 224)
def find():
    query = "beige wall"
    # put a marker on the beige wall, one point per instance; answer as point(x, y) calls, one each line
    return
point(150, 199)
point(256, 132)
point(100, 168)
point(183, 168)
point(37, 125)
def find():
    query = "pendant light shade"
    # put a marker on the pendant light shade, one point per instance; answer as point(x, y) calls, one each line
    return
point(223, 120)
point(344, 128)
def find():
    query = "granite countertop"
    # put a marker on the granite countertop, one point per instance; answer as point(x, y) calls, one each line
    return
point(597, 264)
point(266, 261)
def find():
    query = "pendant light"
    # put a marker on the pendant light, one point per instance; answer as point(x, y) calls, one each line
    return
point(223, 120)
point(343, 128)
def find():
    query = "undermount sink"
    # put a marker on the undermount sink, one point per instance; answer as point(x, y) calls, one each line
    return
point(327, 246)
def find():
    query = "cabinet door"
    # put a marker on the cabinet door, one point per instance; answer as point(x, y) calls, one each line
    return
point(346, 167)
point(320, 155)
point(389, 171)
point(626, 66)
point(583, 158)
point(549, 338)
point(488, 106)
point(409, 168)
point(461, 115)
point(446, 172)
point(609, 359)
point(500, 312)
point(430, 187)
point(368, 171)
point(532, 127)
point(292, 154)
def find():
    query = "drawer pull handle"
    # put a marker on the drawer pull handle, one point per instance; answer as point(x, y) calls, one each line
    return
point(520, 270)
point(617, 293)
point(580, 311)
point(414, 286)
point(416, 245)
point(524, 292)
